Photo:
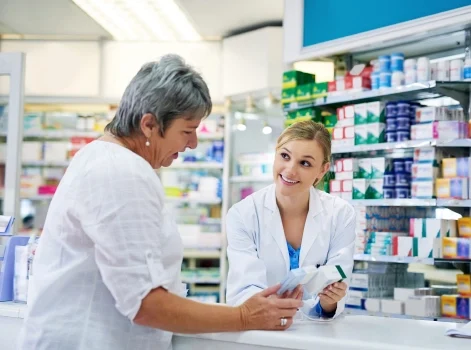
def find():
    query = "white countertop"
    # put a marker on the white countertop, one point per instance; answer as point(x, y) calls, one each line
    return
point(348, 333)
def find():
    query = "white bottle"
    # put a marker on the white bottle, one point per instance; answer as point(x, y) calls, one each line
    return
point(423, 69)
point(467, 65)
point(456, 70)
point(444, 71)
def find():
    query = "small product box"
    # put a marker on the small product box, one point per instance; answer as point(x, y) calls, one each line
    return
point(376, 112)
point(319, 90)
point(427, 154)
point(335, 186)
point(347, 117)
point(423, 306)
point(402, 246)
point(424, 171)
point(373, 305)
point(361, 114)
point(346, 186)
point(309, 114)
point(450, 130)
point(456, 188)
point(403, 294)
point(432, 228)
point(423, 247)
point(348, 196)
point(288, 96)
point(379, 166)
point(464, 227)
point(463, 308)
point(375, 189)
point(361, 134)
point(344, 169)
point(430, 114)
point(303, 92)
point(359, 188)
point(330, 120)
point(449, 305)
point(395, 307)
point(456, 167)
point(376, 132)
point(456, 248)
point(464, 285)
point(293, 78)
point(422, 189)
point(362, 168)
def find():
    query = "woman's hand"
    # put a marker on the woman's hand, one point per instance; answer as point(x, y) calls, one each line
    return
point(331, 295)
point(297, 293)
point(265, 313)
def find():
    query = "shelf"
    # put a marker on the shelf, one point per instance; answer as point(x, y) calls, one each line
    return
point(401, 145)
point(196, 165)
point(463, 203)
point(394, 202)
point(84, 100)
point(260, 178)
point(358, 312)
point(393, 259)
point(209, 201)
point(201, 254)
point(43, 163)
point(417, 91)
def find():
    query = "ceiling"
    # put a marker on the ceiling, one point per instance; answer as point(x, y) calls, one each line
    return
point(213, 19)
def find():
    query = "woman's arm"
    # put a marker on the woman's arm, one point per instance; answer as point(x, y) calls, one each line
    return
point(164, 310)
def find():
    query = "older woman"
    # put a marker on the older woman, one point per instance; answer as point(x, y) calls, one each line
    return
point(107, 269)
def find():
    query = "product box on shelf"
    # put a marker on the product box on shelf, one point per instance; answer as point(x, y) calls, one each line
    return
point(456, 188)
point(361, 134)
point(403, 294)
point(376, 112)
point(427, 154)
point(344, 168)
point(422, 189)
point(423, 247)
point(361, 113)
point(394, 307)
point(402, 246)
point(452, 248)
point(359, 188)
point(309, 114)
point(432, 228)
point(464, 227)
point(441, 130)
point(304, 92)
point(424, 306)
point(319, 90)
point(449, 303)
point(293, 78)
point(430, 114)
point(288, 96)
point(362, 168)
point(330, 120)
point(375, 189)
point(456, 167)
point(292, 115)
point(346, 115)
point(357, 82)
point(376, 132)
point(424, 171)
point(379, 166)
point(343, 136)
point(464, 285)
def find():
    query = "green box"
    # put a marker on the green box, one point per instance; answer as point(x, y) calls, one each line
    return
point(361, 135)
point(376, 132)
point(361, 114)
point(293, 78)
point(379, 166)
point(376, 112)
point(364, 168)
point(292, 115)
point(375, 189)
point(309, 114)
point(359, 188)
point(304, 92)
point(288, 96)
point(330, 121)
point(319, 90)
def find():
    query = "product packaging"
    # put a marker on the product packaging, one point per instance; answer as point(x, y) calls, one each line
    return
point(464, 285)
point(432, 228)
point(464, 227)
point(376, 112)
point(456, 167)
point(361, 134)
point(361, 114)
point(359, 188)
point(376, 132)
point(456, 188)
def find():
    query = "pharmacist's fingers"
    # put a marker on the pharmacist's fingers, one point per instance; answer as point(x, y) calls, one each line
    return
point(298, 293)
point(340, 285)
point(335, 291)
point(288, 303)
point(327, 299)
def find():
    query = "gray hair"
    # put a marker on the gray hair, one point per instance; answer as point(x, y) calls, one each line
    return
point(168, 89)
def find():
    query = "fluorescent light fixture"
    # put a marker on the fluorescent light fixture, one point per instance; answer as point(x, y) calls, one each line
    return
point(142, 20)
point(267, 129)
point(448, 58)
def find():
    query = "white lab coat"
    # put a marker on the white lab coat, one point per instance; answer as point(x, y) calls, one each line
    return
point(257, 249)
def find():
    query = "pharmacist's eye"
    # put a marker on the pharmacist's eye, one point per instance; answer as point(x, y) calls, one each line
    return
point(284, 156)
point(305, 163)
point(188, 132)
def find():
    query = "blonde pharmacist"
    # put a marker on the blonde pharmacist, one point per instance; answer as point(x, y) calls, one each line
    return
point(291, 224)
point(106, 273)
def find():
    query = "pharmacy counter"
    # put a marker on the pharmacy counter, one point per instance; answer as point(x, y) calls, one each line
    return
point(348, 333)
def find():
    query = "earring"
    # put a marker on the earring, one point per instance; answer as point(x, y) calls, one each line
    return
point(147, 143)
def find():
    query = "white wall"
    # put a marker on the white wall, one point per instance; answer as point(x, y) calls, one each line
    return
point(92, 69)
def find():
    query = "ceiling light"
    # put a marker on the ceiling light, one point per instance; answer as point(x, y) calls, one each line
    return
point(142, 20)
point(241, 125)
point(267, 129)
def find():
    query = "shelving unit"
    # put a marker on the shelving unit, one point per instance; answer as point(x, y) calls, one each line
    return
point(357, 312)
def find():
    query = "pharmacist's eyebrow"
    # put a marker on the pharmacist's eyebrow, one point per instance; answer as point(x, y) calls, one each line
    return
point(308, 156)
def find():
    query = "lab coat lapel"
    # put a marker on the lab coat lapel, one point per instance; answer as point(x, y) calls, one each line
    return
point(311, 227)
point(274, 225)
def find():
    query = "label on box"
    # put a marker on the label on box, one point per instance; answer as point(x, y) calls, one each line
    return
point(402, 246)
point(424, 171)
point(335, 186)
point(379, 166)
point(375, 112)
point(361, 114)
point(375, 189)
point(359, 188)
point(456, 167)
point(422, 189)
point(364, 168)
point(361, 134)
point(376, 132)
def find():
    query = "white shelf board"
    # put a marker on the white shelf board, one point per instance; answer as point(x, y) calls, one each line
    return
point(358, 312)
point(394, 202)
point(211, 201)
point(201, 254)
point(196, 165)
point(393, 259)
point(464, 203)
point(260, 178)
point(401, 145)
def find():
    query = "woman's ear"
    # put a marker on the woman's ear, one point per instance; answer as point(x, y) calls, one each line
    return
point(149, 124)
point(325, 169)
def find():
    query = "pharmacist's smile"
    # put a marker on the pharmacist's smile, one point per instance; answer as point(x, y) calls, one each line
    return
point(287, 181)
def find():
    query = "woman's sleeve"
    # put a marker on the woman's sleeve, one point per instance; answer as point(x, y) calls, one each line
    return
point(340, 253)
point(122, 216)
point(247, 273)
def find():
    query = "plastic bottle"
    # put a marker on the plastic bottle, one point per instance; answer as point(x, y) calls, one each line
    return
point(467, 65)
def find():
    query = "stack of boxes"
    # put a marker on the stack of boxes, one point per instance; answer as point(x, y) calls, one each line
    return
point(369, 122)
point(399, 118)
point(452, 247)
point(455, 178)
point(439, 123)
point(458, 306)
point(424, 172)
point(292, 80)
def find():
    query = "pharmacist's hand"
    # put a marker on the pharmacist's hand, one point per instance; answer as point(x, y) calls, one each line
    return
point(332, 294)
point(263, 312)
point(297, 293)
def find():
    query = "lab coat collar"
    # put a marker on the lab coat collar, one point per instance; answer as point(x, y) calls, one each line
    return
point(275, 226)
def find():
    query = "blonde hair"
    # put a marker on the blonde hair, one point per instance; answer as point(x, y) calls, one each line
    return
point(307, 130)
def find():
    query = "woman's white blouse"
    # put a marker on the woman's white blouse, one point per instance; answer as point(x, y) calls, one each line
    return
point(107, 242)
